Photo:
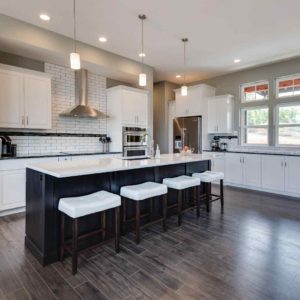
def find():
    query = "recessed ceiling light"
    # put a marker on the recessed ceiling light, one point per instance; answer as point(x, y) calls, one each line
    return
point(102, 39)
point(237, 60)
point(45, 17)
point(142, 54)
point(178, 76)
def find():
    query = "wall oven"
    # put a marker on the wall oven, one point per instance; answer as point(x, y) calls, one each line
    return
point(134, 136)
point(135, 152)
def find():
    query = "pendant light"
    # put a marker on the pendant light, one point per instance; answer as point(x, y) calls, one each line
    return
point(74, 56)
point(184, 88)
point(142, 76)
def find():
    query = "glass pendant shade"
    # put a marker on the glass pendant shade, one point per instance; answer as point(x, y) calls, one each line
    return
point(184, 90)
point(142, 79)
point(75, 61)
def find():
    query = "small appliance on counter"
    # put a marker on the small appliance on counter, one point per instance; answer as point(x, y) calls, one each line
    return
point(7, 149)
point(223, 146)
point(105, 140)
point(215, 144)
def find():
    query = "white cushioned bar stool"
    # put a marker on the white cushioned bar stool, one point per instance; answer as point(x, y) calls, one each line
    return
point(207, 178)
point(76, 207)
point(140, 192)
point(183, 183)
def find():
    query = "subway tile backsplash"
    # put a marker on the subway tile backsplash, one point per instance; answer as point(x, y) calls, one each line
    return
point(63, 98)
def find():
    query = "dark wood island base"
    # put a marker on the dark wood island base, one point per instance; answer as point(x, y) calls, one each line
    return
point(43, 192)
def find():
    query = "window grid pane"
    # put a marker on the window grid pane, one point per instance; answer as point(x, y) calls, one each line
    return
point(289, 114)
point(255, 91)
point(289, 136)
point(288, 87)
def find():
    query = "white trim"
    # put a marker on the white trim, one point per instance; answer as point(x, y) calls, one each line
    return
point(12, 211)
point(128, 88)
point(195, 86)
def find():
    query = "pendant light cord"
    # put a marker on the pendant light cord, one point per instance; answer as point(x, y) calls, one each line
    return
point(184, 40)
point(142, 18)
point(74, 18)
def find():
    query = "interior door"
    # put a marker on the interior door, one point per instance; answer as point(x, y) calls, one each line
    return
point(191, 133)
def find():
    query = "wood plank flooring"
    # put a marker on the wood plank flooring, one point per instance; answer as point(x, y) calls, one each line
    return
point(252, 251)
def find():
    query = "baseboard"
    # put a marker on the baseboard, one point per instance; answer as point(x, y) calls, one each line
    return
point(12, 211)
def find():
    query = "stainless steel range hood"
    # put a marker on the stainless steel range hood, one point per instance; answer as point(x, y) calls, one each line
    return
point(82, 109)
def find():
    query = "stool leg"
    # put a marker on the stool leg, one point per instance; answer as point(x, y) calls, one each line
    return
point(179, 207)
point(196, 191)
point(117, 229)
point(62, 235)
point(151, 208)
point(137, 221)
point(123, 215)
point(165, 205)
point(75, 246)
point(207, 196)
point(103, 224)
point(222, 194)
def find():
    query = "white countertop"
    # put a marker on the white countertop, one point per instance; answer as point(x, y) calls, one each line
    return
point(105, 165)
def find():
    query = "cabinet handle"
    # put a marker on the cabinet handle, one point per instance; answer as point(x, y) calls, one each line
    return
point(23, 120)
point(285, 164)
point(282, 163)
point(243, 160)
point(27, 120)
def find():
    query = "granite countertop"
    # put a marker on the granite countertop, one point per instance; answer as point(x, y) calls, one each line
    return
point(109, 164)
point(69, 153)
point(264, 152)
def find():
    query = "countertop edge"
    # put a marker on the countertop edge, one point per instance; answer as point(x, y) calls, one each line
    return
point(252, 152)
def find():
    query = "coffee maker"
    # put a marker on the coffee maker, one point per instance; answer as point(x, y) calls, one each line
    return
point(5, 146)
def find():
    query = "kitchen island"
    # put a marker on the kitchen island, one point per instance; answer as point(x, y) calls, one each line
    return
point(46, 183)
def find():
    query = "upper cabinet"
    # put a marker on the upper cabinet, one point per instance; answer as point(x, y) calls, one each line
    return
point(195, 103)
point(25, 99)
point(220, 114)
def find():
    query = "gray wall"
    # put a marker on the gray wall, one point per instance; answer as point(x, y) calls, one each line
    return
point(230, 84)
point(163, 93)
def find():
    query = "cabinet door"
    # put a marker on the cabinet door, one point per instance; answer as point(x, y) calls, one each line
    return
point(181, 105)
point(252, 170)
point(11, 99)
point(224, 114)
point(292, 178)
point(212, 115)
point(37, 102)
point(234, 168)
point(12, 189)
point(272, 172)
point(134, 108)
point(218, 164)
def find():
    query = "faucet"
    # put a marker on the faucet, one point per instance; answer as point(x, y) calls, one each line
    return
point(151, 146)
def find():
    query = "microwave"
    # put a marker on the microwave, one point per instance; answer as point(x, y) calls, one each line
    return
point(140, 151)
point(134, 136)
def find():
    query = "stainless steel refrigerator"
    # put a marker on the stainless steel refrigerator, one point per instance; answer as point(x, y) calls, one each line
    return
point(187, 131)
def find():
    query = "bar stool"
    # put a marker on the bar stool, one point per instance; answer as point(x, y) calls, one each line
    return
point(141, 192)
point(76, 207)
point(183, 183)
point(207, 178)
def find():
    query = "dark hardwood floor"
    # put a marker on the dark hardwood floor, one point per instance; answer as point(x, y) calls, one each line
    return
point(252, 251)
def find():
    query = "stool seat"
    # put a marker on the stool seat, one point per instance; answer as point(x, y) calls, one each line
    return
point(76, 207)
point(209, 176)
point(181, 182)
point(143, 191)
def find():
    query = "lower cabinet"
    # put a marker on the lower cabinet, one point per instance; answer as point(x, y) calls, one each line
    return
point(233, 168)
point(292, 174)
point(12, 189)
point(273, 172)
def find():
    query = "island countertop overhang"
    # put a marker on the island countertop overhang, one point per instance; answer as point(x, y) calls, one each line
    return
point(106, 165)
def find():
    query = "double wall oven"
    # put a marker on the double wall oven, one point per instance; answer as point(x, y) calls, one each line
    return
point(135, 142)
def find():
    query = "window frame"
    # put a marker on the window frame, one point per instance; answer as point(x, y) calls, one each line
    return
point(286, 77)
point(243, 126)
point(253, 83)
point(277, 125)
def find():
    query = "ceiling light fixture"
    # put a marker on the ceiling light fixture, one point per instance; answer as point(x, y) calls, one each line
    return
point(178, 76)
point(142, 76)
point(74, 56)
point(45, 17)
point(102, 39)
point(237, 60)
point(184, 88)
point(142, 54)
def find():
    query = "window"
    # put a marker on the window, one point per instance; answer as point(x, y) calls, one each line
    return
point(255, 125)
point(255, 91)
point(288, 86)
point(288, 124)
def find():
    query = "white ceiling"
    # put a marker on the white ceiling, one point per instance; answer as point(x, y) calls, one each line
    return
point(256, 31)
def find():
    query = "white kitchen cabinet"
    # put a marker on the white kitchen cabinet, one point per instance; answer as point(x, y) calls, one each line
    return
point(292, 175)
point(126, 107)
point(25, 98)
point(195, 103)
point(37, 92)
point(234, 168)
point(11, 99)
point(220, 114)
point(12, 189)
point(251, 170)
point(218, 162)
point(273, 172)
